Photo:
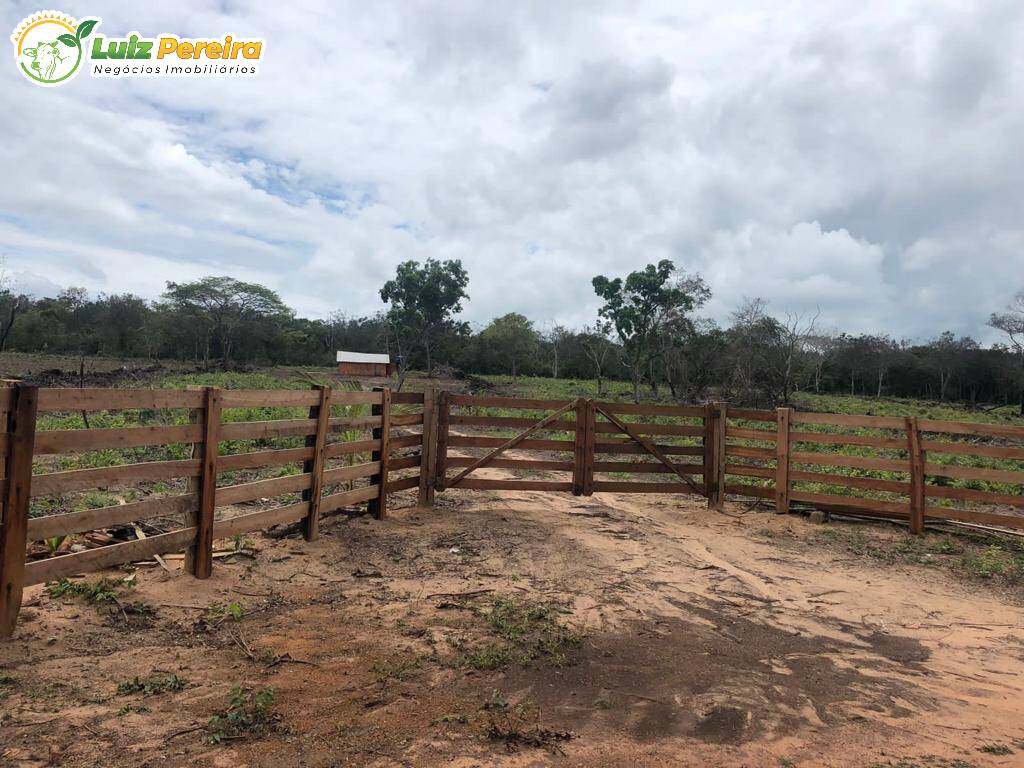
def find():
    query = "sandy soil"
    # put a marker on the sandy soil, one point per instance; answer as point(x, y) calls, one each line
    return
point(704, 644)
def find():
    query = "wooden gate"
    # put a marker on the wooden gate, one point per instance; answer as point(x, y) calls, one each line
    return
point(579, 446)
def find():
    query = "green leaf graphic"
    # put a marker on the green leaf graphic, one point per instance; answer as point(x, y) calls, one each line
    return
point(85, 28)
point(68, 40)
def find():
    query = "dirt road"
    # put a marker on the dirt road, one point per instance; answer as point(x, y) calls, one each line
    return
point(702, 641)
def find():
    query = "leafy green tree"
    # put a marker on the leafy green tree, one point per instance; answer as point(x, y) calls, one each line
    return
point(224, 308)
point(642, 307)
point(423, 301)
point(513, 338)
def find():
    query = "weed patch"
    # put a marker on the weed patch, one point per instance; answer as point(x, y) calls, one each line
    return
point(518, 725)
point(152, 685)
point(247, 715)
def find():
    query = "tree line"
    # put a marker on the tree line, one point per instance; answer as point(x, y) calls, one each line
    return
point(648, 331)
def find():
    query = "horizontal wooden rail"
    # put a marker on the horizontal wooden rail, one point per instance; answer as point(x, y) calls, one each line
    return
point(463, 441)
point(275, 486)
point(354, 472)
point(851, 502)
point(108, 517)
point(484, 401)
point(612, 486)
point(766, 435)
point(105, 477)
point(39, 571)
point(558, 425)
point(867, 483)
point(529, 464)
point(840, 438)
point(645, 467)
point(80, 440)
point(254, 521)
point(849, 420)
point(263, 398)
point(334, 450)
point(841, 460)
point(643, 409)
point(974, 473)
point(233, 462)
point(262, 430)
point(95, 399)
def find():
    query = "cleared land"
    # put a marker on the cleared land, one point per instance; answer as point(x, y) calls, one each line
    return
point(521, 629)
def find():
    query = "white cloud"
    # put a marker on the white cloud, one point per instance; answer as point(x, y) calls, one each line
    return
point(860, 157)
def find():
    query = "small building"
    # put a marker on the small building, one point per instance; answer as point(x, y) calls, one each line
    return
point(363, 364)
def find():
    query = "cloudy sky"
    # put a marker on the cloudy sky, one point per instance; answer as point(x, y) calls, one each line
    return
point(864, 158)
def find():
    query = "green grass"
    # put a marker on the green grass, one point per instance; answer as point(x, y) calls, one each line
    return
point(520, 632)
point(152, 685)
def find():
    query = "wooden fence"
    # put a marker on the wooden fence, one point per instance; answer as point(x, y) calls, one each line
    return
point(337, 461)
point(345, 448)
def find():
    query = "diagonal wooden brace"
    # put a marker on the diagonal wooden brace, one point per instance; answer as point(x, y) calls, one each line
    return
point(512, 443)
point(649, 447)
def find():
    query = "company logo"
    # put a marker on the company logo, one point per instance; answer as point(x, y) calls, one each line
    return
point(50, 47)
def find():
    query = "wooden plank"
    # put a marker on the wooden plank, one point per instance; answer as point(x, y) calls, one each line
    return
point(107, 517)
point(848, 420)
point(512, 443)
point(645, 409)
point(108, 399)
point(510, 422)
point(859, 462)
point(917, 464)
point(78, 440)
point(41, 571)
point(407, 398)
point(975, 473)
point(766, 435)
point(783, 418)
point(256, 521)
point(750, 414)
point(615, 486)
point(970, 428)
point(254, 459)
point(53, 483)
point(535, 465)
point(651, 448)
point(404, 462)
point(7, 394)
point(479, 441)
point(967, 494)
point(428, 445)
point(648, 467)
point(403, 484)
point(486, 484)
point(488, 401)
point(589, 448)
point(262, 430)
point(334, 450)
point(354, 472)
point(268, 398)
point(743, 489)
point(641, 428)
point(21, 426)
point(851, 502)
point(579, 459)
point(321, 412)
point(355, 423)
point(336, 501)
point(846, 481)
point(750, 452)
point(405, 419)
point(406, 441)
point(721, 426)
point(258, 489)
point(742, 470)
point(839, 438)
point(342, 398)
point(379, 507)
point(199, 559)
point(710, 455)
point(974, 516)
point(974, 449)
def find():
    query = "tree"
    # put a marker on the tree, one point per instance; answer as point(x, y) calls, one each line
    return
point(597, 347)
point(642, 306)
point(512, 337)
point(423, 301)
point(223, 307)
point(12, 305)
point(1011, 323)
point(558, 338)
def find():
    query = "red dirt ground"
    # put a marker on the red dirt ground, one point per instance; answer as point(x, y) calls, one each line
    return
point(704, 643)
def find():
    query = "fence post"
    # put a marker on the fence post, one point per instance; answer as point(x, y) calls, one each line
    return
point(315, 464)
point(579, 454)
point(710, 455)
point(379, 507)
point(722, 412)
point(441, 449)
point(783, 417)
point(199, 556)
point(917, 464)
point(21, 431)
point(427, 448)
point(589, 447)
